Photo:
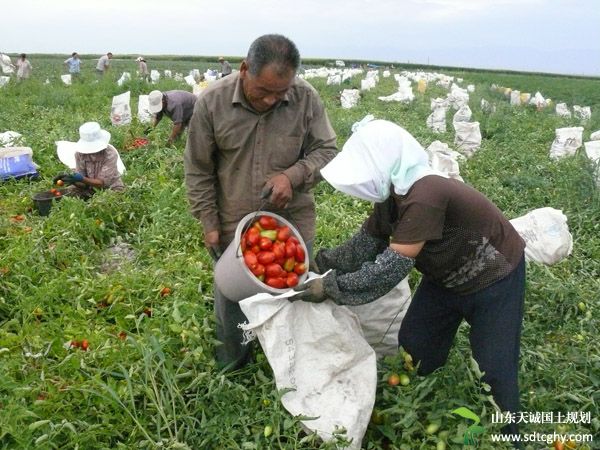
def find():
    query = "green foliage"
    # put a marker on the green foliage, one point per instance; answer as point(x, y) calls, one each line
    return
point(149, 380)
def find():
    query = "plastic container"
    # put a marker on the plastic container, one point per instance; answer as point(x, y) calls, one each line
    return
point(232, 276)
point(43, 201)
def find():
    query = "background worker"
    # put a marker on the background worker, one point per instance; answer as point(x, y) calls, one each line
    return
point(225, 67)
point(73, 64)
point(96, 163)
point(259, 130)
point(177, 105)
point(103, 64)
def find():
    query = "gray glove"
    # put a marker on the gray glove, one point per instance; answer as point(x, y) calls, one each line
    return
point(312, 291)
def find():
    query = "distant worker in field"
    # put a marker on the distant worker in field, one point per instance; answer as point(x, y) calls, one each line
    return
point(23, 67)
point(96, 163)
point(143, 68)
point(225, 67)
point(103, 63)
point(177, 105)
point(260, 132)
point(73, 64)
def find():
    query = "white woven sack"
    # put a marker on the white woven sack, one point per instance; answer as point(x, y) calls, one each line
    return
point(317, 350)
point(154, 76)
point(515, 98)
point(143, 111)
point(66, 79)
point(4, 81)
point(443, 159)
point(582, 112)
point(463, 114)
point(592, 150)
point(120, 111)
point(349, 98)
point(380, 320)
point(125, 76)
point(595, 136)
point(562, 110)
point(9, 138)
point(566, 142)
point(467, 138)
point(437, 120)
point(546, 234)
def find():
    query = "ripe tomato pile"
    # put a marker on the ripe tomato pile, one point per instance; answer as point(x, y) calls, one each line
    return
point(137, 143)
point(56, 192)
point(272, 253)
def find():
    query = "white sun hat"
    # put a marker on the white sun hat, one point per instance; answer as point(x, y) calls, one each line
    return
point(92, 138)
point(155, 102)
point(139, 58)
point(66, 150)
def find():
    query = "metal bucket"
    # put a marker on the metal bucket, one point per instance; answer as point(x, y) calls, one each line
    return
point(232, 276)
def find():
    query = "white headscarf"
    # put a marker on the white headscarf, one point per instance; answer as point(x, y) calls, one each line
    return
point(379, 154)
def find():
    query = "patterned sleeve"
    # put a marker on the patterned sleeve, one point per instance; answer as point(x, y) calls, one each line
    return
point(109, 173)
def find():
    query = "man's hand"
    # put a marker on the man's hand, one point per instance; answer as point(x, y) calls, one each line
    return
point(281, 190)
point(211, 239)
point(312, 291)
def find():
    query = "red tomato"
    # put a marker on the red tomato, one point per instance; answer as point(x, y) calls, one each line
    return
point(300, 255)
point(253, 236)
point(292, 279)
point(265, 243)
point(284, 233)
point(294, 239)
point(250, 259)
point(273, 270)
point(255, 249)
point(265, 257)
point(278, 249)
point(300, 268)
point(258, 270)
point(84, 345)
point(278, 283)
point(290, 249)
point(267, 222)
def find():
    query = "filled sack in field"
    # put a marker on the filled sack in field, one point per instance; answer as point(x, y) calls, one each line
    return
point(487, 107)
point(66, 79)
point(524, 98)
point(367, 84)
point(546, 235)
point(595, 136)
point(349, 98)
point(538, 101)
point(443, 159)
point(562, 110)
point(457, 96)
point(125, 76)
point(403, 95)
point(189, 79)
point(120, 112)
point(515, 98)
point(467, 137)
point(65, 150)
point(4, 81)
point(168, 74)
point(566, 142)
point(317, 350)
point(178, 76)
point(143, 112)
point(6, 65)
point(471, 88)
point(380, 320)
point(592, 151)
point(154, 76)
point(334, 80)
point(582, 112)
point(9, 139)
point(463, 114)
point(17, 162)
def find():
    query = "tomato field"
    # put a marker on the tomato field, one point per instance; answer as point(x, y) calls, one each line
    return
point(106, 323)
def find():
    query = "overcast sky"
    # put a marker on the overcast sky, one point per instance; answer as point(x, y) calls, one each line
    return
point(558, 36)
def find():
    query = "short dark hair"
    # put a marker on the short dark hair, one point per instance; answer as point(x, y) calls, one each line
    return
point(272, 49)
point(73, 54)
point(23, 56)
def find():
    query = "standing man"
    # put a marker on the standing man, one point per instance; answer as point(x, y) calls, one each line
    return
point(261, 130)
point(143, 68)
point(103, 64)
point(177, 105)
point(225, 67)
point(74, 65)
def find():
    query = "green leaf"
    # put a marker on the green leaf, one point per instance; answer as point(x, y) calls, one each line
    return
point(466, 413)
